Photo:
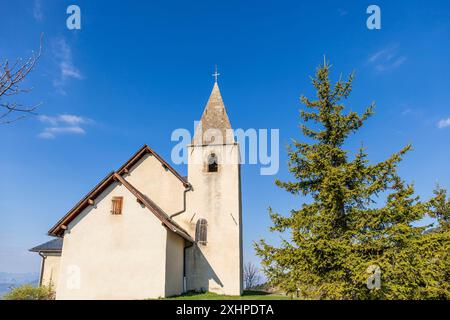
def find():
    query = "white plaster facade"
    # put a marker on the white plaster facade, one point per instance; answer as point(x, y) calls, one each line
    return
point(150, 250)
point(216, 198)
point(50, 269)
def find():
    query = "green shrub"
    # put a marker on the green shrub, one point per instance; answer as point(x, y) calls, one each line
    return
point(29, 292)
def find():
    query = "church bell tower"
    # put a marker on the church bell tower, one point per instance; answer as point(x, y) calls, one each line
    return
point(214, 262)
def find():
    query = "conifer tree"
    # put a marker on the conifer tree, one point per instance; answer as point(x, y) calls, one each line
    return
point(361, 216)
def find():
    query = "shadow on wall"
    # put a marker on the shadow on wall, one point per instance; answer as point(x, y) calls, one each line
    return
point(174, 264)
point(200, 272)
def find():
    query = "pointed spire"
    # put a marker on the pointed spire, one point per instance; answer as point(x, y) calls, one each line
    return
point(214, 126)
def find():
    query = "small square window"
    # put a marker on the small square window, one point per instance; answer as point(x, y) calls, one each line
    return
point(117, 204)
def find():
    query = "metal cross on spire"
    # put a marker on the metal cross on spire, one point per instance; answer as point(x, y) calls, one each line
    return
point(216, 74)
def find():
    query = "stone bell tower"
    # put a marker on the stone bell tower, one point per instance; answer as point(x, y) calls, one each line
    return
point(214, 263)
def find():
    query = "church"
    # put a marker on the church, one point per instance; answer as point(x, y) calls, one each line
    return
point(145, 231)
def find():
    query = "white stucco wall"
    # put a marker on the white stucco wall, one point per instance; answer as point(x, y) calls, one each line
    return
point(113, 256)
point(161, 185)
point(216, 267)
point(50, 269)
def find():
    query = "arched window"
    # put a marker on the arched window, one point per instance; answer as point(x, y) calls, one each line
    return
point(201, 232)
point(213, 163)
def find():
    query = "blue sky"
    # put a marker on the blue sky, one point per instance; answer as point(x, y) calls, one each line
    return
point(137, 71)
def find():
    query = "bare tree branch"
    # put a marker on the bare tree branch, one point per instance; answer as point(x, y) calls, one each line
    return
point(251, 276)
point(11, 78)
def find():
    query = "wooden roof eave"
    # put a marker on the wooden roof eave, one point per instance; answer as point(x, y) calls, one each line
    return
point(57, 229)
point(46, 251)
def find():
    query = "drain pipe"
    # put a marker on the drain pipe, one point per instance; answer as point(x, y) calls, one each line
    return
point(184, 267)
point(189, 188)
point(42, 267)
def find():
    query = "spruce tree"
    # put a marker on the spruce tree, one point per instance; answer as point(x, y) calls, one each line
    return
point(361, 215)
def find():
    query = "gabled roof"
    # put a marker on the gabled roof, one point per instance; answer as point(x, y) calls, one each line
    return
point(54, 245)
point(59, 227)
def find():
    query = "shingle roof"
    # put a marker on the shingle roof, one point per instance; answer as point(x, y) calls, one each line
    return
point(54, 245)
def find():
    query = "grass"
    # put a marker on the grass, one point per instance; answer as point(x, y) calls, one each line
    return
point(248, 295)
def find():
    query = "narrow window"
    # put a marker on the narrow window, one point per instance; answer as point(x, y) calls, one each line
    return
point(201, 231)
point(117, 203)
point(212, 163)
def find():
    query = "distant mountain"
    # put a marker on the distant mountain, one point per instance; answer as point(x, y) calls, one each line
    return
point(9, 280)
